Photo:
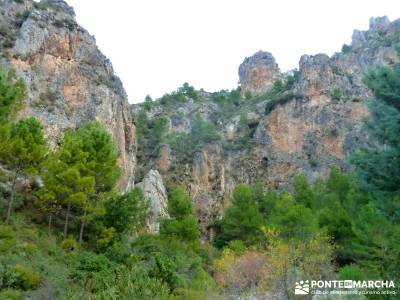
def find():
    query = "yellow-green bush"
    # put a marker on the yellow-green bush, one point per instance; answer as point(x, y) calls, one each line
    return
point(68, 244)
point(10, 294)
point(7, 238)
point(30, 248)
point(26, 277)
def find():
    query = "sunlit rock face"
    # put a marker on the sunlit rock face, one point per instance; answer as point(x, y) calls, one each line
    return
point(317, 125)
point(258, 72)
point(154, 190)
point(69, 80)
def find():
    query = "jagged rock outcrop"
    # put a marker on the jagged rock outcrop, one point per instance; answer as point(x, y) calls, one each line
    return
point(69, 80)
point(154, 190)
point(258, 72)
point(308, 127)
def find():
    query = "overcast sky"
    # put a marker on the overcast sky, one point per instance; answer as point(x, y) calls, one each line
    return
point(157, 45)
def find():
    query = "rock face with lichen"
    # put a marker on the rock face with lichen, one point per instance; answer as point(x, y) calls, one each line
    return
point(154, 190)
point(69, 80)
point(304, 121)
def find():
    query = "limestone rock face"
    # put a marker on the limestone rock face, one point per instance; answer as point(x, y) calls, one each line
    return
point(69, 80)
point(154, 190)
point(258, 72)
point(314, 125)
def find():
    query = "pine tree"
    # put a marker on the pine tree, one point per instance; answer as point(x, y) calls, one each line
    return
point(23, 151)
point(292, 220)
point(101, 164)
point(376, 246)
point(378, 166)
point(67, 179)
point(242, 221)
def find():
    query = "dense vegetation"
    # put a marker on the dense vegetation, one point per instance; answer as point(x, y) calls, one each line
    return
point(70, 234)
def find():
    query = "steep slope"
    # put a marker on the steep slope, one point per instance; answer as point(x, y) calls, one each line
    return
point(69, 80)
point(302, 121)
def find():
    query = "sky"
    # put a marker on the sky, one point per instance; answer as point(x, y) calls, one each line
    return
point(157, 45)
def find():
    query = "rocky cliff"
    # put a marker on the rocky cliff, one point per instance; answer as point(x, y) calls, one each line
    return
point(304, 121)
point(274, 126)
point(69, 80)
point(258, 72)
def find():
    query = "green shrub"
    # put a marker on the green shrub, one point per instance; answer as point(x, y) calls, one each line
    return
point(126, 213)
point(94, 272)
point(30, 248)
point(8, 36)
point(26, 277)
point(203, 130)
point(10, 294)
point(148, 103)
point(248, 95)
point(107, 235)
point(183, 222)
point(346, 48)
point(69, 244)
point(227, 100)
point(336, 94)
point(351, 272)
point(237, 246)
point(181, 95)
point(7, 238)
point(118, 252)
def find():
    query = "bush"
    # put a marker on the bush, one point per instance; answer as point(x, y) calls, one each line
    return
point(10, 294)
point(26, 278)
point(94, 272)
point(247, 95)
point(346, 48)
point(106, 237)
point(148, 103)
point(68, 244)
point(30, 248)
point(243, 273)
point(237, 246)
point(336, 94)
point(351, 272)
point(183, 222)
point(7, 238)
point(127, 212)
point(181, 95)
point(118, 252)
point(204, 131)
point(242, 220)
point(227, 100)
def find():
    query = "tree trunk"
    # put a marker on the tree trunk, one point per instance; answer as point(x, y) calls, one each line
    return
point(50, 221)
point(12, 197)
point(83, 223)
point(66, 221)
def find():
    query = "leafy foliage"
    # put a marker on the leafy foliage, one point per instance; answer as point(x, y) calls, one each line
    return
point(242, 221)
point(385, 83)
point(127, 212)
point(182, 223)
point(203, 131)
point(12, 94)
point(22, 150)
point(181, 95)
